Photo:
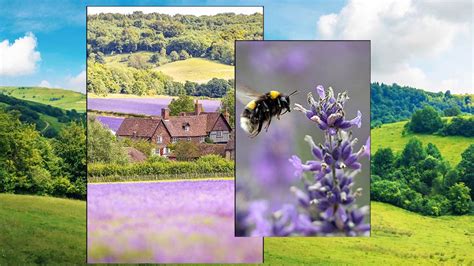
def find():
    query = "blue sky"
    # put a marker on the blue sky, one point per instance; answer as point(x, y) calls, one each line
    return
point(430, 44)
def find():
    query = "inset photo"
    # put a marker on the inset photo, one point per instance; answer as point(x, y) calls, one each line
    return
point(160, 126)
point(302, 138)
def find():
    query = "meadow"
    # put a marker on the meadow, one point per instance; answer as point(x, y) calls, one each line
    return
point(42, 230)
point(61, 98)
point(390, 136)
point(141, 106)
point(166, 222)
point(398, 237)
point(187, 70)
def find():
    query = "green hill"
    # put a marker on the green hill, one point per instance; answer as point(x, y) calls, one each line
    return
point(390, 136)
point(42, 230)
point(398, 237)
point(197, 70)
point(47, 119)
point(64, 99)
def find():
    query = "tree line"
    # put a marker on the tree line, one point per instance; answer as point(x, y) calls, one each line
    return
point(420, 180)
point(33, 164)
point(428, 121)
point(204, 36)
point(104, 79)
point(392, 103)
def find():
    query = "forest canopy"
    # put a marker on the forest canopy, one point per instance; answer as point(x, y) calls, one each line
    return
point(204, 36)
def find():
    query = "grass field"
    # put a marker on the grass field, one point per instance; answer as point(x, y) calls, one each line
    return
point(122, 59)
point(390, 135)
point(398, 237)
point(197, 69)
point(67, 99)
point(42, 230)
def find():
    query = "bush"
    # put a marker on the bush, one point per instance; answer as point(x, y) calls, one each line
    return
point(452, 111)
point(206, 166)
point(460, 198)
point(426, 120)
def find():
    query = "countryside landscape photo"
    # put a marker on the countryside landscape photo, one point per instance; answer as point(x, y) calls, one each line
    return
point(42, 175)
point(161, 143)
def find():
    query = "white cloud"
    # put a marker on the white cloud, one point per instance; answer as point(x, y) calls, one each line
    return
point(406, 36)
point(20, 57)
point(45, 84)
point(77, 83)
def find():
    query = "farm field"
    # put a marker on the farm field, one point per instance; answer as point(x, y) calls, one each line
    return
point(42, 230)
point(122, 59)
point(177, 221)
point(197, 70)
point(65, 99)
point(141, 106)
point(112, 123)
point(390, 136)
point(398, 237)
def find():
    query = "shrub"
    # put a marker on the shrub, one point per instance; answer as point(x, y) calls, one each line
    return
point(460, 198)
point(426, 120)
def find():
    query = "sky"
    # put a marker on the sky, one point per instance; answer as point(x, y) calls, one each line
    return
point(423, 44)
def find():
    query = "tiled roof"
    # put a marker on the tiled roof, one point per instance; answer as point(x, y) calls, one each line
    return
point(198, 125)
point(139, 127)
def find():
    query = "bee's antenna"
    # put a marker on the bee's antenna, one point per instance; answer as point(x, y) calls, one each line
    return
point(295, 92)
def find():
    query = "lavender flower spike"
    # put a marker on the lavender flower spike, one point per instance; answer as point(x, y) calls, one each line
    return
point(326, 204)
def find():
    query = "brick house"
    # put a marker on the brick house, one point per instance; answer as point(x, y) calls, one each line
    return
point(165, 129)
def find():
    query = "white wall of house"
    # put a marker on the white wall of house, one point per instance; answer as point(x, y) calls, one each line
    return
point(219, 136)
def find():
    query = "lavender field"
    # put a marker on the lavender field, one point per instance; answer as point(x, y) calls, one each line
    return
point(111, 122)
point(178, 222)
point(142, 106)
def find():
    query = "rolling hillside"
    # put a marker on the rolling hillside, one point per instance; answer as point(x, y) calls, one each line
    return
point(398, 237)
point(64, 99)
point(197, 70)
point(47, 119)
point(42, 230)
point(390, 135)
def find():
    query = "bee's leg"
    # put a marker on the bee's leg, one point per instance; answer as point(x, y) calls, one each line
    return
point(268, 124)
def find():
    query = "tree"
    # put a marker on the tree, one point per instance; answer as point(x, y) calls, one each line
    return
point(102, 146)
point(426, 120)
point(190, 87)
point(228, 105)
point(174, 56)
point(138, 61)
point(460, 198)
point(432, 150)
point(183, 103)
point(185, 150)
point(183, 55)
point(383, 162)
point(412, 153)
point(70, 145)
point(452, 111)
point(466, 168)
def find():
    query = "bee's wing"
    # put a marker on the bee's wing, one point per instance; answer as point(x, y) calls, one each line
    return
point(244, 94)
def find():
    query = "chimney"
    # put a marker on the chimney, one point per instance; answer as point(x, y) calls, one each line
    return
point(165, 113)
point(197, 108)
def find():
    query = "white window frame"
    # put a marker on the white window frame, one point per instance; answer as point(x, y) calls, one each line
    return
point(219, 134)
point(188, 138)
point(203, 139)
point(159, 139)
point(174, 140)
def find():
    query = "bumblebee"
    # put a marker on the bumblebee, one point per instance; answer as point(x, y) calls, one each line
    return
point(262, 109)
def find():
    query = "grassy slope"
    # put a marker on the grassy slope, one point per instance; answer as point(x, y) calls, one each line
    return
point(390, 135)
point(398, 237)
point(42, 230)
point(197, 69)
point(71, 100)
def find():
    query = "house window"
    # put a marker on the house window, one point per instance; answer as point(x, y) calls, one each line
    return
point(202, 139)
point(188, 139)
point(174, 140)
point(159, 139)
point(219, 134)
point(186, 128)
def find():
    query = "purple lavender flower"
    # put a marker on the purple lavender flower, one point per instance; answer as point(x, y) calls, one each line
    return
point(325, 205)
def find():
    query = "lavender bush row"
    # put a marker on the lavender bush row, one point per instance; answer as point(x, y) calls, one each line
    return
point(325, 203)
